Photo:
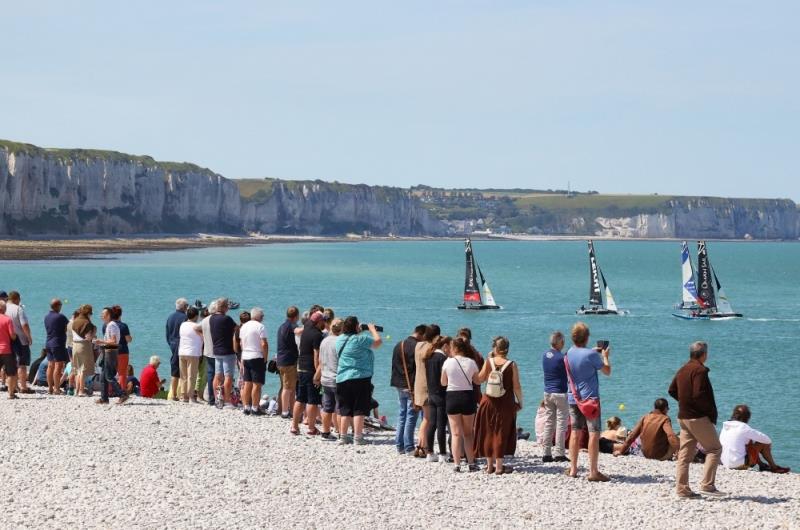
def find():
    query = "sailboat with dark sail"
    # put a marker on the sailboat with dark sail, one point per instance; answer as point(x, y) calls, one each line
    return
point(477, 294)
point(598, 290)
point(703, 297)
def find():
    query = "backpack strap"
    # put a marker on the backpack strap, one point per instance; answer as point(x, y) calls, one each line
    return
point(575, 393)
point(343, 345)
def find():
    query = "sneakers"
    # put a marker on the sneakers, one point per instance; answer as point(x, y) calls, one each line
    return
point(713, 494)
point(328, 437)
point(442, 459)
point(561, 459)
point(547, 459)
point(359, 440)
point(690, 495)
point(431, 458)
point(473, 468)
point(346, 439)
point(246, 411)
point(257, 412)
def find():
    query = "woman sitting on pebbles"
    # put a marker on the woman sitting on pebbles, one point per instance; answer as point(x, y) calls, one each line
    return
point(459, 373)
point(354, 378)
point(496, 422)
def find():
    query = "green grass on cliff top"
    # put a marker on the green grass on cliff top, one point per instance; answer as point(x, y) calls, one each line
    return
point(99, 154)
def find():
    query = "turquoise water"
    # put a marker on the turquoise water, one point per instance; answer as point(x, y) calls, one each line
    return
point(539, 284)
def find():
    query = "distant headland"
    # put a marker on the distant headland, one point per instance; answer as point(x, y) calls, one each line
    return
point(85, 192)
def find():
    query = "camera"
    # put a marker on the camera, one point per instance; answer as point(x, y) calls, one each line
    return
point(365, 327)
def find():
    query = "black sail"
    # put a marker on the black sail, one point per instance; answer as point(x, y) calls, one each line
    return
point(705, 285)
point(472, 292)
point(595, 296)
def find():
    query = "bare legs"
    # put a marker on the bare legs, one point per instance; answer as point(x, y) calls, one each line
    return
point(463, 434)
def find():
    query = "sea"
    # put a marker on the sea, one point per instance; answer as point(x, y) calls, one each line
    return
point(539, 284)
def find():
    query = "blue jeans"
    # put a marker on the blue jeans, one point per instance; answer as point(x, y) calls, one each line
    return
point(210, 372)
point(406, 422)
point(109, 359)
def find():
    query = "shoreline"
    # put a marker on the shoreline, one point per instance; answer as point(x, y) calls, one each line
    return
point(158, 464)
point(93, 247)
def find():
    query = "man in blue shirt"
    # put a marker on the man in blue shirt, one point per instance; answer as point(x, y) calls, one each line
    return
point(555, 399)
point(584, 364)
point(173, 340)
point(56, 345)
point(286, 359)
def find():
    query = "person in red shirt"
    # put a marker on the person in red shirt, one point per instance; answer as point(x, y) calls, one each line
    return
point(149, 382)
point(7, 358)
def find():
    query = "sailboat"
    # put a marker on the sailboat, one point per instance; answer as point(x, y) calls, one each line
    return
point(703, 297)
point(477, 294)
point(598, 287)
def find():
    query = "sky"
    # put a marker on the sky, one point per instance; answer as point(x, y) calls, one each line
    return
point(690, 98)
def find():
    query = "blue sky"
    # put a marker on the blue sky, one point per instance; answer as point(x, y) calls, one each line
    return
point(628, 97)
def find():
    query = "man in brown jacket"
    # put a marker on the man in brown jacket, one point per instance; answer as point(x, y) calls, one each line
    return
point(655, 430)
point(697, 416)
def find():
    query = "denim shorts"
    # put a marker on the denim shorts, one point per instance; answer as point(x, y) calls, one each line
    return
point(579, 421)
point(329, 399)
point(224, 364)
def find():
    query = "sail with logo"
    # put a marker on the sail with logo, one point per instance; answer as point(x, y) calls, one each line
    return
point(477, 294)
point(598, 290)
point(703, 296)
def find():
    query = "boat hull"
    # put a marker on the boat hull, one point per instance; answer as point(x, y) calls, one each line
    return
point(600, 311)
point(712, 316)
point(477, 307)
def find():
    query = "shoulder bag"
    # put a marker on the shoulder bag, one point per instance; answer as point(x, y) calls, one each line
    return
point(405, 371)
point(590, 407)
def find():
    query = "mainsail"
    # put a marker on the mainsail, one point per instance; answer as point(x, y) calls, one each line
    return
point(472, 293)
point(704, 277)
point(689, 296)
point(488, 298)
point(595, 298)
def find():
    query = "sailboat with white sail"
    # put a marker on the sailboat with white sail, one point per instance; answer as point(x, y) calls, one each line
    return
point(601, 301)
point(703, 297)
point(477, 294)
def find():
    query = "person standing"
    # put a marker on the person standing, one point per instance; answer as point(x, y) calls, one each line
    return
point(555, 400)
point(255, 353)
point(8, 360)
point(286, 359)
point(190, 349)
point(421, 385)
point(110, 344)
point(208, 351)
point(459, 374)
point(223, 328)
point(173, 335)
point(124, 348)
point(22, 344)
point(697, 417)
point(434, 359)
point(404, 369)
point(328, 368)
point(354, 378)
point(496, 421)
point(83, 335)
point(309, 393)
point(582, 365)
point(55, 324)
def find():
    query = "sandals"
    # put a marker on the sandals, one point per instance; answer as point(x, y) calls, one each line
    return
point(567, 473)
point(294, 432)
point(505, 470)
point(314, 432)
point(779, 469)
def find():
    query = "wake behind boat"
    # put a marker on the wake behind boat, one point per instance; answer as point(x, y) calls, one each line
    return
point(702, 296)
point(596, 277)
point(475, 296)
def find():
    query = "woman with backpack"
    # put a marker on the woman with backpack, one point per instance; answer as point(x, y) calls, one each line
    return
point(496, 421)
point(459, 373)
point(434, 359)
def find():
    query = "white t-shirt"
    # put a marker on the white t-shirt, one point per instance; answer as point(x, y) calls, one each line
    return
point(250, 334)
point(112, 332)
point(18, 318)
point(191, 343)
point(208, 344)
point(734, 438)
point(459, 378)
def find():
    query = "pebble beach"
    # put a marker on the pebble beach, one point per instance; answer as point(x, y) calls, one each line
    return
point(71, 463)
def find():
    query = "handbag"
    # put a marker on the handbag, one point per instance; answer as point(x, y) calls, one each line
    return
point(272, 366)
point(590, 407)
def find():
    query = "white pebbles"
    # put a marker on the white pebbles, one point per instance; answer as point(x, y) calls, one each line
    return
point(70, 463)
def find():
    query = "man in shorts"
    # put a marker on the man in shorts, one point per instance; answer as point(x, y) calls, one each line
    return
point(8, 360)
point(223, 329)
point(22, 344)
point(286, 359)
point(255, 352)
point(584, 363)
point(308, 384)
point(56, 346)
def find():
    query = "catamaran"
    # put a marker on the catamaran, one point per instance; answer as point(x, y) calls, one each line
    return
point(476, 295)
point(702, 295)
point(598, 286)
